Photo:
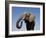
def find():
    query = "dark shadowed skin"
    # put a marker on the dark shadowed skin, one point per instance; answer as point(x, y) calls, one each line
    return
point(29, 20)
point(30, 25)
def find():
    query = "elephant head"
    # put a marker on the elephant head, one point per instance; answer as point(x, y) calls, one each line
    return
point(28, 18)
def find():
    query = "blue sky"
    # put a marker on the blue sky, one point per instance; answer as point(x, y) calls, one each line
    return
point(16, 13)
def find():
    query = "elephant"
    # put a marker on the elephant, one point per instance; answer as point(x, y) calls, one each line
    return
point(29, 19)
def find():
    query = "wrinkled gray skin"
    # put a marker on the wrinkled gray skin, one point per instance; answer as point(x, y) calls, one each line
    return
point(29, 20)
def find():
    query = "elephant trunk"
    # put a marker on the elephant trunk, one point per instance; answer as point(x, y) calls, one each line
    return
point(17, 24)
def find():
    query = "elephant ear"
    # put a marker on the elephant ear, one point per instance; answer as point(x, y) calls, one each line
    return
point(31, 18)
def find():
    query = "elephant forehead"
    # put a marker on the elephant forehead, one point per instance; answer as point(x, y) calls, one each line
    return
point(31, 18)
